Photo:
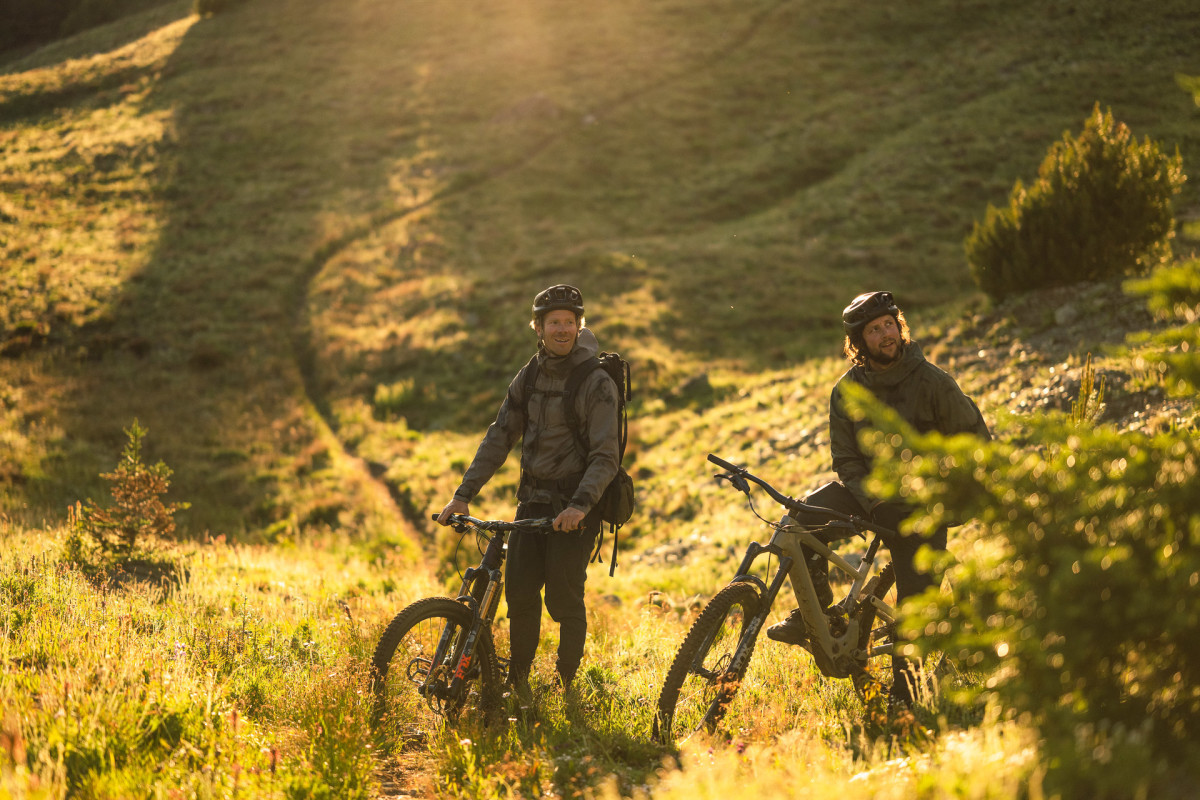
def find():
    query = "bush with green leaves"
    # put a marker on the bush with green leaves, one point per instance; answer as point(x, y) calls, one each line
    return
point(1174, 292)
point(137, 510)
point(1075, 591)
point(1100, 208)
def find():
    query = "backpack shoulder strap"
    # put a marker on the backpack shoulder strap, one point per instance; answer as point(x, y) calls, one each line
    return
point(578, 375)
point(530, 383)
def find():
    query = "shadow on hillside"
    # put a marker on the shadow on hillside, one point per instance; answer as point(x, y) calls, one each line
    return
point(101, 39)
point(201, 344)
point(37, 97)
point(292, 123)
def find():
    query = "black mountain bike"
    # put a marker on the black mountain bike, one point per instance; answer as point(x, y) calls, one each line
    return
point(437, 658)
point(709, 667)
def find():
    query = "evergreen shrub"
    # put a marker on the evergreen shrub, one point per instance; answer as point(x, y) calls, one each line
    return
point(1100, 208)
point(137, 510)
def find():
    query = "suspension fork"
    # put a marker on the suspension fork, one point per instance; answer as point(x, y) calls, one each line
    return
point(491, 598)
point(745, 645)
point(484, 607)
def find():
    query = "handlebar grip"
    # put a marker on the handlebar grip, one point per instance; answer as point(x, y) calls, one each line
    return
point(723, 464)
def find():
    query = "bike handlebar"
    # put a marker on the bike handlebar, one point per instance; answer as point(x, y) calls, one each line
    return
point(791, 504)
point(499, 525)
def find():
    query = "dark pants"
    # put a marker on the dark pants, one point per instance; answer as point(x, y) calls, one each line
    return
point(909, 581)
point(556, 561)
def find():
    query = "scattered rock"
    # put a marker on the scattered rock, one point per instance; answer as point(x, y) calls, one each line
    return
point(1028, 353)
point(1066, 315)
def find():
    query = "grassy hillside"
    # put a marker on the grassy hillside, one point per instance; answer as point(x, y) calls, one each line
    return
point(225, 669)
point(298, 241)
point(239, 671)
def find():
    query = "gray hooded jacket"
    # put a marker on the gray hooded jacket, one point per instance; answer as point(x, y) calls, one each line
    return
point(924, 395)
point(550, 449)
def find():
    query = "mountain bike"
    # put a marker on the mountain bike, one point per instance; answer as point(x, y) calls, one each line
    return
point(844, 640)
point(437, 659)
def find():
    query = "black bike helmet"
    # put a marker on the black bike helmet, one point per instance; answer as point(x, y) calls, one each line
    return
point(865, 308)
point(558, 297)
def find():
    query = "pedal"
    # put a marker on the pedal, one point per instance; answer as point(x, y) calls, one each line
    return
point(788, 634)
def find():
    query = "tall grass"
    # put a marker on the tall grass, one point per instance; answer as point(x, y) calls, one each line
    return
point(240, 670)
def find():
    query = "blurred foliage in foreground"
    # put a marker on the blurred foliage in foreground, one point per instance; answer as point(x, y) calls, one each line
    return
point(1175, 292)
point(1084, 616)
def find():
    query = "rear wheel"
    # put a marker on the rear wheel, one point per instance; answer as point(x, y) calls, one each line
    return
point(414, 664)
point(876, 641)
point(702, 681)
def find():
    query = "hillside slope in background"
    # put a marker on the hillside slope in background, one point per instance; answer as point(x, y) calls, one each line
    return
point(298, 241)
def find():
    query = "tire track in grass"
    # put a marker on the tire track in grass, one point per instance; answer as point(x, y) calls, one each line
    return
point(305, 352)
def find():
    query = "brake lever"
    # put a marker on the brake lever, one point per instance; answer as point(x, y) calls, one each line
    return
point(738, 482)
point(859, 530)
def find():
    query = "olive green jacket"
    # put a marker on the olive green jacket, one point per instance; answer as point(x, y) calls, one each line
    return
point(550, 449)
point(924, 395)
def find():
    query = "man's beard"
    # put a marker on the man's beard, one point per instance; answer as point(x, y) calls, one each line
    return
point(884, 360)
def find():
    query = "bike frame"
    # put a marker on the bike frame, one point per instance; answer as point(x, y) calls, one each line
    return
point(490, 568)
point(835, 655)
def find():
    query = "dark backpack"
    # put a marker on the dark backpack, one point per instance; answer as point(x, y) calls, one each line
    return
point(618, 500)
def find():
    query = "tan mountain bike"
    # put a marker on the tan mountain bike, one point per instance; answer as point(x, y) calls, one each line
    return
point(857, 630)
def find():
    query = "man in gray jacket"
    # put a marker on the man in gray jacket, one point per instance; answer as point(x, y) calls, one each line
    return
point(888, 363)
point(559, 479)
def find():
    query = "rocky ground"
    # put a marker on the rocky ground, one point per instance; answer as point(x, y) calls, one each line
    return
point(1030, 352)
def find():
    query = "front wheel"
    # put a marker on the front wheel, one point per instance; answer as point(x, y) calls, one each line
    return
point(414, 665)
point(702, 681)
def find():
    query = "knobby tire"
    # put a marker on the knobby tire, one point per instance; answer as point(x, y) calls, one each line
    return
point(870, 634)
point(700, 685)
point(406, 659)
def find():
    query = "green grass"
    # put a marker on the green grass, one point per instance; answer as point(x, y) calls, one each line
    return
point(202, 671)
point(299, 241)
point(223, 670)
